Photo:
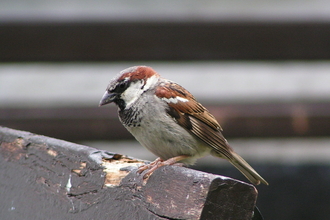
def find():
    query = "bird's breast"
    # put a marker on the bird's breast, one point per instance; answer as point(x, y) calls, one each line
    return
point(160, 134)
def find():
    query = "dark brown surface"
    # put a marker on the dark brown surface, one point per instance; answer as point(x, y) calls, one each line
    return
point(35, 184)
point(111, 41)
point(244, 120)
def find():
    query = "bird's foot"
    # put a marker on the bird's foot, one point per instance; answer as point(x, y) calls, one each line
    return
point(149, 166)
point(159, 163)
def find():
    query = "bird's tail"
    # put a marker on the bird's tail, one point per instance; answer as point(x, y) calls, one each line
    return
point(246, 169)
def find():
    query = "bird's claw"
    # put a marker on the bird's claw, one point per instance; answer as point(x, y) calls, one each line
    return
point(159, 163)
point(150, 167)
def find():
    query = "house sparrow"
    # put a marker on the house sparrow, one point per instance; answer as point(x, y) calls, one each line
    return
point(167, 120)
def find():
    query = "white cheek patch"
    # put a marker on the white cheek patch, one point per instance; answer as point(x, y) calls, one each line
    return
point(175, 100)
point(135, 90)
point(150, 82)
point(132, 93)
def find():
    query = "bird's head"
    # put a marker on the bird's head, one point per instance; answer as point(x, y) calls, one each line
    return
point(129, 85)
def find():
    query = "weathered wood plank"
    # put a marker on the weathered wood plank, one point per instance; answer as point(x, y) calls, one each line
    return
point(240, 120)
point(43, 177)
point(181, 40)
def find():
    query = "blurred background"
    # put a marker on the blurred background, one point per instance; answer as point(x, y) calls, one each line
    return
point(261, 67)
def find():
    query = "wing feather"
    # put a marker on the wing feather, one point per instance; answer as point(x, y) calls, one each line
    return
point(197, 120)
point(194, 117)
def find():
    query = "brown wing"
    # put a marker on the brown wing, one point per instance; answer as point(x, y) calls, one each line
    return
point(191, 115)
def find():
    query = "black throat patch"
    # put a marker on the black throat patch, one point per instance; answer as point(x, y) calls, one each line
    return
point(130, 117)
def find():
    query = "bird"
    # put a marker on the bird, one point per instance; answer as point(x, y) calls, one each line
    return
point(168, 121)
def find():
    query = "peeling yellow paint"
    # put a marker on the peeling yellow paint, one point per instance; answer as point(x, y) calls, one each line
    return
point(113, 173)
point(51, 152)
point(82, 166)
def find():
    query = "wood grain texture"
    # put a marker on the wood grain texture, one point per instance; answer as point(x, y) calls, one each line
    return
point(44, 177)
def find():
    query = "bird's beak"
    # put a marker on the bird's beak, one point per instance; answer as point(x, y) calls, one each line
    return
point(107, 98)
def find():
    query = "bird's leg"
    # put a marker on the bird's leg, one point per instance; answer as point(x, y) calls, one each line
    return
point(149, 166)
point(159, 163)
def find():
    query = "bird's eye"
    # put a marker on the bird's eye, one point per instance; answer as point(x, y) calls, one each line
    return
point(121, 87)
